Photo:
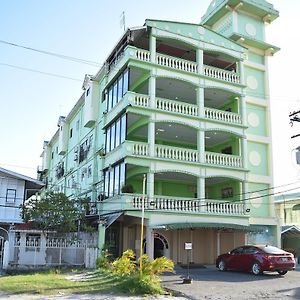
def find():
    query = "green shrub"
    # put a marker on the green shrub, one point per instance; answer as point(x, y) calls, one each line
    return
point(125, 265)
point(102, 261)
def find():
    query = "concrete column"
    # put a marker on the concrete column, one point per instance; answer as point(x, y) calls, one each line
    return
point(149, 243)
point(151, 137)
point(242, 111)
point(201, 145)
point(200, 101)
point(244, 153)
point(152, 47)
point(199, 59)
point(218, 243)
point(241, 71)
point(150, 185)
point(152, 89)
point(201, 191)
point(101, 238)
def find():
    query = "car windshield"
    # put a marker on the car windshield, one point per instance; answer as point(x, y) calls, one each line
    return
point(271, 249)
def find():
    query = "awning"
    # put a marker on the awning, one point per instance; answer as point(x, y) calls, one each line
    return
point(209, 225)
point(109, 219)
point(291, 231)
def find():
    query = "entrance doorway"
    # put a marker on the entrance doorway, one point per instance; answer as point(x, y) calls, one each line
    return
point(161, 246)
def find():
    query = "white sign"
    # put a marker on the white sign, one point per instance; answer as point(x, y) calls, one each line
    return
point(188, 246)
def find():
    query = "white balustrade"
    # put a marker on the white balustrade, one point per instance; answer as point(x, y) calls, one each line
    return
point(223, 160)
point(140, 149)
point(177, 107)
point(143, 55)
point(229, 76)
point(165, 203)
point(224, 116)
point(141, 100)
point(168, 152)
point(225, 208)
point(177, 63)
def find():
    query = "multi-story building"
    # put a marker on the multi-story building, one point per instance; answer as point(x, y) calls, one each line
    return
point(174, 130)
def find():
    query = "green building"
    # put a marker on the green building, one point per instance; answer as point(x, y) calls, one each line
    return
point(174, 130)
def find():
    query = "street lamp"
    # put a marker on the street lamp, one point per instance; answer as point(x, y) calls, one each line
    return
point(142, 222)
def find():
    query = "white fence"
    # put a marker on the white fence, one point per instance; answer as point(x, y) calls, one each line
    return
point(37, 250)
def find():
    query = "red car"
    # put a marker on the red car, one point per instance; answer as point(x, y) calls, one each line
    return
point(257, 259)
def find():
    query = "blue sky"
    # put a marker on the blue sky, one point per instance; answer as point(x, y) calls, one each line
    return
point(31, 102)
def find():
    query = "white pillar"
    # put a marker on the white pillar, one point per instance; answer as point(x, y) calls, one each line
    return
point(201, 191)
point(149, 243)
point(151, 89)
point(199, 59)
point(242, 112)
point(218, 243)
point(201, 145)
point(152, 47)
point(241, 71)
point(244, 152)
point(151, 137)
point(200, 101)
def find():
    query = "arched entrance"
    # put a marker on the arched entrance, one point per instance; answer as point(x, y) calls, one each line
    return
point(161, 246)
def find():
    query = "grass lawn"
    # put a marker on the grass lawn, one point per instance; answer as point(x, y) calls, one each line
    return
point(54, 282)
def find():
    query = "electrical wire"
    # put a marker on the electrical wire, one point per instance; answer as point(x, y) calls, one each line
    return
point(62, 56)
point(40, 72)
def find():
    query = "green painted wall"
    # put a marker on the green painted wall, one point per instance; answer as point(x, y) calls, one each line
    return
point(218, 191)
point(255, 80)
point(258, 203)
point(256, 58)
point(251, 27)
point(258, 158)
point(256, 120)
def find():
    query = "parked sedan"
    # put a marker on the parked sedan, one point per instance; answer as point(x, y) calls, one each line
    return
point(257, 259)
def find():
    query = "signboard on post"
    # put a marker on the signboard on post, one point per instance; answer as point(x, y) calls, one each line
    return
point(188, 246)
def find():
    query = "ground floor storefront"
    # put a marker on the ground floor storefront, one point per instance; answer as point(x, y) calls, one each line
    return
point(195, 243)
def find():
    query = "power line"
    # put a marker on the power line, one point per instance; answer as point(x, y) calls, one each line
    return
point(40, 72)
point(62, 56)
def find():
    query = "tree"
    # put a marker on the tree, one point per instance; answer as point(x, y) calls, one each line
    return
point(53, 211)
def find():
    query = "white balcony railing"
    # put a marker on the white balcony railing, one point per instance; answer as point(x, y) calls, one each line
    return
point(221, 74)
point(226, 160)
point(187, 155)
point(177, 107)
point(175, 153)
point(188, 66)
point(167, 203)
point(220, 115)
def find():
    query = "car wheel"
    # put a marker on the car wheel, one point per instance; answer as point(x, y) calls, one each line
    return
point(256, 269)
point(282, 272)
point(222, 265)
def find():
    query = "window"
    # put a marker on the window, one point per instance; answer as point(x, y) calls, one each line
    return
point(11, 195)
point(115, 95)
point(52, 155)
point(112, 136)
point(120, 88)
point(117, 89)
point(87, 92)
point(114, 179)
point(115, 134)
point(89, 172)
point(118, 133)
point(71, 133)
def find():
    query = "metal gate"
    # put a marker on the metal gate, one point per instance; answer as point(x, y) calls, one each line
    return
point(1, 250)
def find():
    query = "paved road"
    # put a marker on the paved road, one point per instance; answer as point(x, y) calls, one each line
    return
point(209, 283)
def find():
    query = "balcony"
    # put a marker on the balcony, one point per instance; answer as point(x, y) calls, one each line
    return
point(176, 204)
point(184, 155)
point(184, 108)
point(186, 66)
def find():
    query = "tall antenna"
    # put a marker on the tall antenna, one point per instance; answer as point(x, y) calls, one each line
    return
point(122, 21)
